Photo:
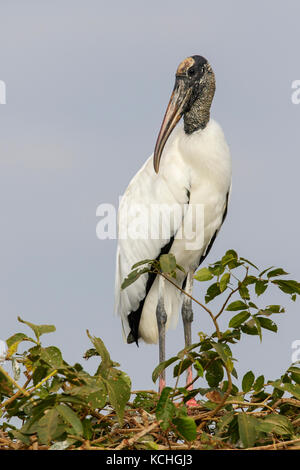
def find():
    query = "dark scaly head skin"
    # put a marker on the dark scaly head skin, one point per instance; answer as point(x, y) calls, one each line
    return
point(191, 98)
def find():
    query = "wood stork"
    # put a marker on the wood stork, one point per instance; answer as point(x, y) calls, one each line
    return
point(190, 168)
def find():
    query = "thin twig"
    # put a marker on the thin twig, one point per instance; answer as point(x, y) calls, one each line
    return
point(14, 382)
point(129, 442)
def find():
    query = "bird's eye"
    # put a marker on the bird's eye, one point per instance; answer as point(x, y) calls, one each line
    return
point(191, 72)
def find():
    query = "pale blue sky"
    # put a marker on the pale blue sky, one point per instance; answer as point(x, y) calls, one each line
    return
point(87, 85)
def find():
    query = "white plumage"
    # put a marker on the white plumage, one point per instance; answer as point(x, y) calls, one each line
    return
point(194, 170)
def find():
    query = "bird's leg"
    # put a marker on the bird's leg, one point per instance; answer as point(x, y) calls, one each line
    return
point(161, 317)
point(187, 317)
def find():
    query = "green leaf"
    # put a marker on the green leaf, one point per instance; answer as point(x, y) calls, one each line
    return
point(38, 330)
point(259, 383)
point(236, 305)
point(249, 262)
point(247, 429)
point(214, 373)
point(292, 389)
point(238, 319)
point(267, 324)
point(49, 427)
point(165, 409)
point(244, 292)
point(288, 286)
point(203, 275)
point(14, 341)
point(102, 351)
point(52, 356)
point(249, 328)
point(182, 366)
point(224, 421)
point(199, 368)
point(186, 427)
point(212, 292)
point(118, 387)
point(224, 281)
point(276, 272)
point(295, 373)
point(264, 271)
point(140, 263)
point(258, 326)
point(133, 276)
point(260, 286)
point(162, 366)
point(224, 352)
point(167, 263)
point(247, 381)
point(275, 423)
point(70, 417)
point(230, 259)
point(216, 269)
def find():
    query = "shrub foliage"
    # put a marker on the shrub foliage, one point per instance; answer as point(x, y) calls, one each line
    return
point(62, 406)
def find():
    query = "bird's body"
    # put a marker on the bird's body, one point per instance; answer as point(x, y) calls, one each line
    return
point(175, 204)
point(195, 169)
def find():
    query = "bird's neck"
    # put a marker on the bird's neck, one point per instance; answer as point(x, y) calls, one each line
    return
point(198, 115)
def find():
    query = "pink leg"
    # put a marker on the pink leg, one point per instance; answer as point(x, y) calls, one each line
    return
point(162, 384)
point(187, 317)
point(192, 402)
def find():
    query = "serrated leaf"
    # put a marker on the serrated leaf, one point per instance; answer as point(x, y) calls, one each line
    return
point(203, 275)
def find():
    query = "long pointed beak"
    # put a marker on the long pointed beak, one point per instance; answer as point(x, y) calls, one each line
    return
point(179, 98)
